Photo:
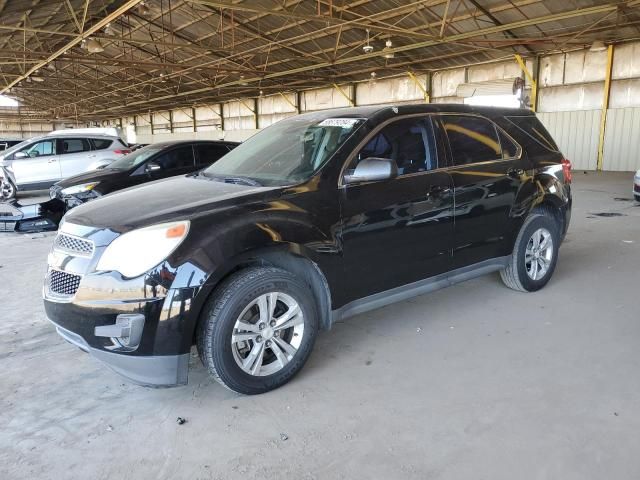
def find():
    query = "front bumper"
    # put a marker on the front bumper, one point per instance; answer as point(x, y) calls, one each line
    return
point(153, 370)
point(99, 311)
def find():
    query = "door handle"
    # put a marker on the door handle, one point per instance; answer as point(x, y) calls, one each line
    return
point(515, 172)
point(91, 156)
point(51, 160)
point(438, 190)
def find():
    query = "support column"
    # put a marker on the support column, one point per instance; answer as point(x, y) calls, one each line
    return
point(605, 107)
point(532, 81)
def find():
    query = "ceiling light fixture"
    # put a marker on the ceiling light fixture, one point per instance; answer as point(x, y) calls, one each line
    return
point(143, 9)
point(243, 82)
point(367, 48)
point(597, 46)
point(387, 50)
point(93, 46)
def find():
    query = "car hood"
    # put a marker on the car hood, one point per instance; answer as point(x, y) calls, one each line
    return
point(93, 176)
point(172, 199)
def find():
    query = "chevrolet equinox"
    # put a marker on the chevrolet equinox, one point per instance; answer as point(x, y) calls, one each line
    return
point(317, 218)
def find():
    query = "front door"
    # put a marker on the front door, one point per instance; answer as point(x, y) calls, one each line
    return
point(39, 168)
point(397, 231)
point(488, 170)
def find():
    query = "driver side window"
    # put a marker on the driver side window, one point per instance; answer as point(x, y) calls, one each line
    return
point(39, 149)
point(408, 142)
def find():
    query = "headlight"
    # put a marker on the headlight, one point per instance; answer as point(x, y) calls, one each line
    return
point(85, 187)
point(137, 251)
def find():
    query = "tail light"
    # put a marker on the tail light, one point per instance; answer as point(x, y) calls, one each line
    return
point(566, 170)
point(121, 152)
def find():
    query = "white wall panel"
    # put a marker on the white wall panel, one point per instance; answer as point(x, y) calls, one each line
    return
point(622, 140)
point(390, 90)
point(570, 97)
point(445, 83)
point(324, 98)
point(625, 93)
point(576, 134)
point(208, 118)
point(626, 61)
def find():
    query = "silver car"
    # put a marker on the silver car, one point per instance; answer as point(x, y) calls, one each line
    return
point(38, 163)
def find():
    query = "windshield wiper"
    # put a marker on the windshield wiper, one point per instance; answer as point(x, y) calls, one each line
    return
point(236, 180)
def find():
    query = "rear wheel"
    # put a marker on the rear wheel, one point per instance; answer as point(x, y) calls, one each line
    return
point(535, 255)
point(637, 197)
point(258, 330)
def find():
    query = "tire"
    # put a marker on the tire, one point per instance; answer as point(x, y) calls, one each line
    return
point(8, 190)
point(637, 197)
point(227, 350)
point(521, 274)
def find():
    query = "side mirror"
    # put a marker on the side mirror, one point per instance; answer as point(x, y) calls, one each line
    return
point(373, 169)
point(152, 167)
point(20, 155)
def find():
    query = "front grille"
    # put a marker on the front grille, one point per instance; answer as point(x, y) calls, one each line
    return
point(73, 245)
point(63, 283)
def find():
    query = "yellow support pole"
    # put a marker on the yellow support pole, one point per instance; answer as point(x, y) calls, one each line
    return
point(532, 81)
point(605, 107)
point(420, 86)
point(342, 92)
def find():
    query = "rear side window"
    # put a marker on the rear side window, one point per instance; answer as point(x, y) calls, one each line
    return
point(535, 135)
point(207, 154)
point(101, 143)
point(74, 145)
point(471, 139)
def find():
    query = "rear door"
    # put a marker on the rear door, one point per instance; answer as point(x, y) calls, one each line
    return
point(487, 172)
point(397, 231)
point(40, 168)
point(76, 155)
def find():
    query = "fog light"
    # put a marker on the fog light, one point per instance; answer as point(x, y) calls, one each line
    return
point(126, 332)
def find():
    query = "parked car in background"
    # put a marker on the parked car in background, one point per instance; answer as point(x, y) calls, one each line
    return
point(39, 162)
point(153, 162)
point(636, 186)
point(316, 218)
point(6, 143)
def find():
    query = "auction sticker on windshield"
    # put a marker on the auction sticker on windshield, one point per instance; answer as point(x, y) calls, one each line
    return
point(339, 122)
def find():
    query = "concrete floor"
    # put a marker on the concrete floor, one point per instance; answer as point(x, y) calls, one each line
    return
point(473, 382)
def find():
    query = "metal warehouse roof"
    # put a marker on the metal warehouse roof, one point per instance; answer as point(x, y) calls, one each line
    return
point(159, 54)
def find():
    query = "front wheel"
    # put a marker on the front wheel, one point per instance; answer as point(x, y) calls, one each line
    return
point(535, 255)
point(257, 330)
point(7, 189)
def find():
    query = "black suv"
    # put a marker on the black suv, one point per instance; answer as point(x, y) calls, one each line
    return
point(316, 218)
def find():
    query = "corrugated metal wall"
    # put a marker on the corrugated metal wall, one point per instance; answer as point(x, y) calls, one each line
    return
point(622, 140)
point(576, 133)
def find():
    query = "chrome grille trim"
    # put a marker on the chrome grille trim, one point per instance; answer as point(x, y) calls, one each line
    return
point(63, 284)
point(72, 245)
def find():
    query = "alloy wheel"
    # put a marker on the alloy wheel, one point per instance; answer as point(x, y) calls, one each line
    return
point(267, 334)
point(539, 254)
point(7, 190)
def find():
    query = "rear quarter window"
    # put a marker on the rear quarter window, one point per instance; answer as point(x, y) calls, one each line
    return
point(101, 143)
point(530, 132)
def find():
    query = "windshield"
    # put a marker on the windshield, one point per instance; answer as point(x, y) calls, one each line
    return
point(287, 152)
point(136, 158)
